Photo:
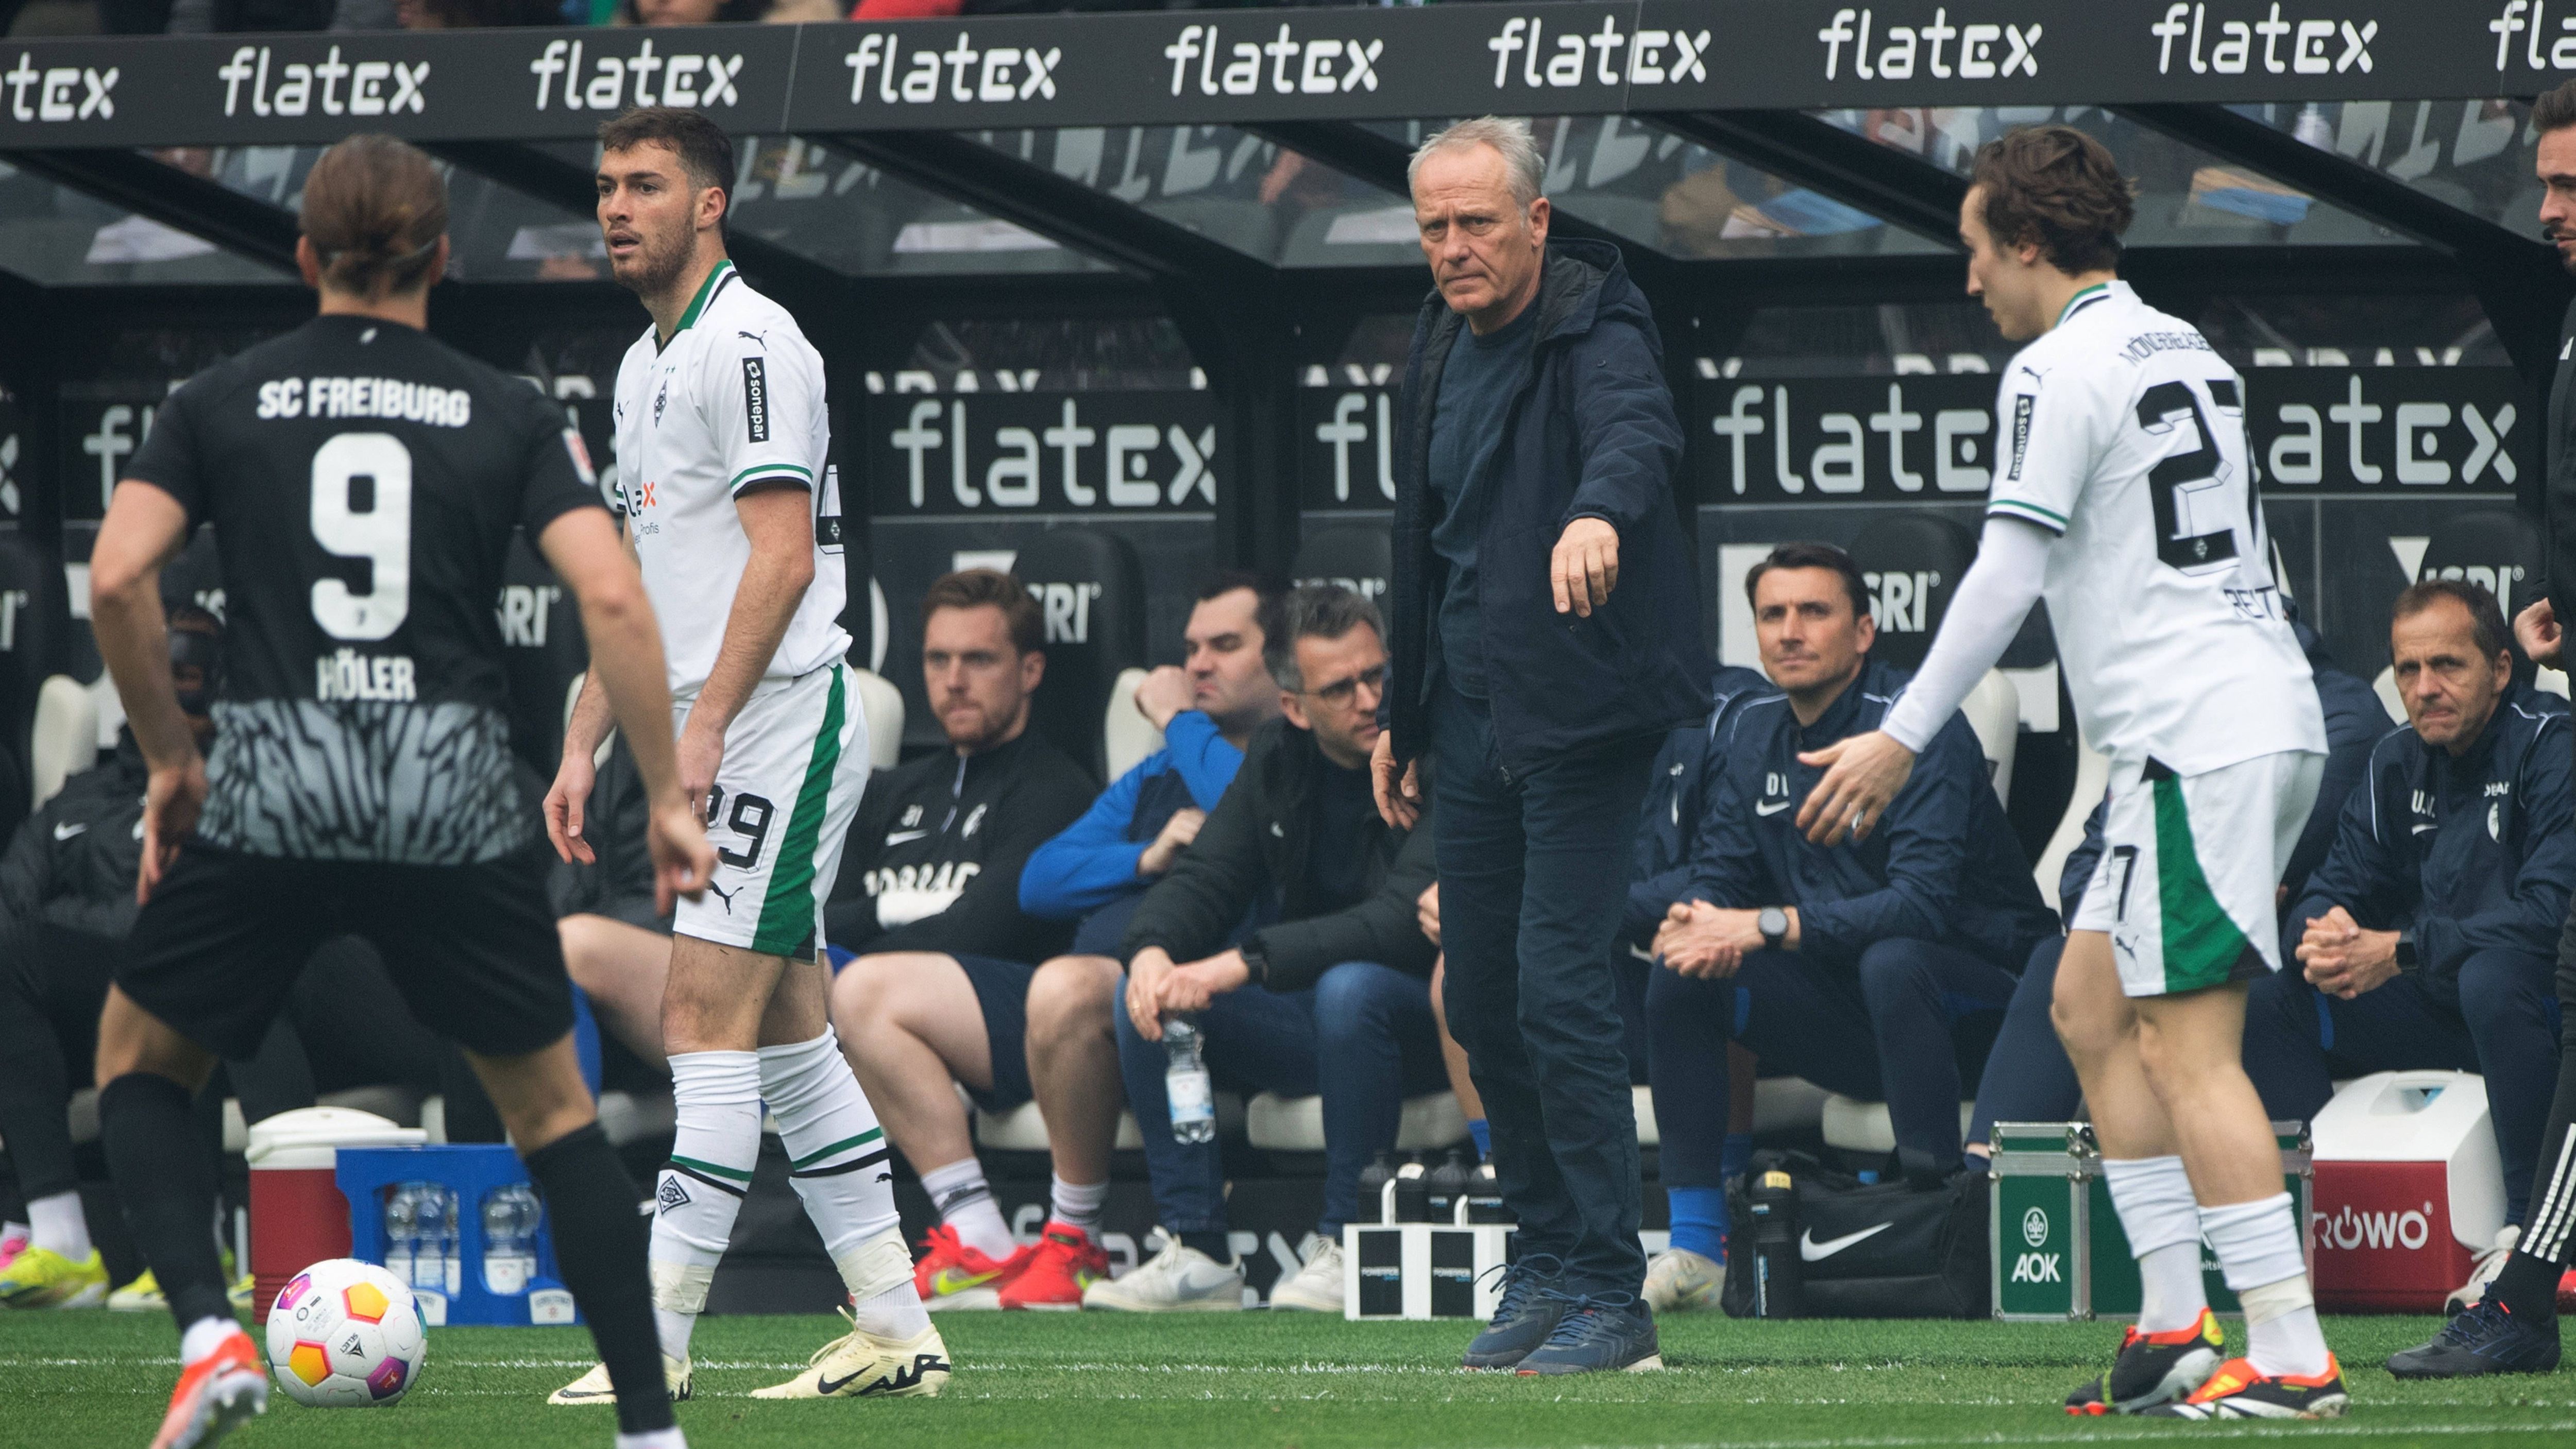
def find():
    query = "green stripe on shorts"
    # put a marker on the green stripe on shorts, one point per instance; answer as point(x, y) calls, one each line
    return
point(787, 912)
point(2201, 943)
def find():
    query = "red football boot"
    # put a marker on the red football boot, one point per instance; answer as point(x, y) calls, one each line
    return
point(950, 1274)
point(1066, 1260)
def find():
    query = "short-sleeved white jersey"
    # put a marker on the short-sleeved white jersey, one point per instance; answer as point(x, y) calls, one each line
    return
point(734, 402)
point(2124, 433)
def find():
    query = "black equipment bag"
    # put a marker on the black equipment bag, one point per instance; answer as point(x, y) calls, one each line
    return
point(1869, 1250)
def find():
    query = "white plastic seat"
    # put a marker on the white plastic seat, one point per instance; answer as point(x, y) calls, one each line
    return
point(1993, 709)
point(1788, 1104)
point(623, 1116)
point(1023, 1128)
point(882, 705)
point(1857, 1126)
point(1296, 1124)
point(2550, 681)
point(62, 740)
point(2385, 686)
point(1126, 736)
point(2092, 777)
point(1642, 1100)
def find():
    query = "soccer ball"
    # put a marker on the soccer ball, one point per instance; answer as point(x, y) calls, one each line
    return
point(346, 1334)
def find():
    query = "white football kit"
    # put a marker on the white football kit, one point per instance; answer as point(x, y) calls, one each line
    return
point(2124, 433)
point(734, 402)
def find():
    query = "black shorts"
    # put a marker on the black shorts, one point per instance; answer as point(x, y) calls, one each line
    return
point(472, 948)
point(1002, 994)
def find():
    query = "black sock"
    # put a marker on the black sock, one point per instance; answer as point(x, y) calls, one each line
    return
point(2528, 1286)
point(1213, 1244)
point(168, 1189)
point(599, 1244)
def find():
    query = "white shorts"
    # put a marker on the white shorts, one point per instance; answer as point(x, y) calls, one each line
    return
point(794, 763)
point(2190, 866)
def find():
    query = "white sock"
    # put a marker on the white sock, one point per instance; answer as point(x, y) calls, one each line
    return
point(670, 1438)
point(836, 1155)
point(965, 1203)
point(717, 1099)
point(55, 1222)
point(2153, 1198)
point(203, 1337)
point(1078, 1204)
point(896, 1313)
point(2258, 1245)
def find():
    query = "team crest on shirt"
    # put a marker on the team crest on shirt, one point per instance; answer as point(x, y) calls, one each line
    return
point(659, 399)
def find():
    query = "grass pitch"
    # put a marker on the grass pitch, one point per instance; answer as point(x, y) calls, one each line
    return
point(72, 1380)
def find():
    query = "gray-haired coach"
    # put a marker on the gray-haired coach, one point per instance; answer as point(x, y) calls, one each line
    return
point(1546, 636)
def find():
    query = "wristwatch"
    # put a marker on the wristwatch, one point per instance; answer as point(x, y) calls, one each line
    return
point(1773, 923)
point(1255, 961)
point(2406, 950)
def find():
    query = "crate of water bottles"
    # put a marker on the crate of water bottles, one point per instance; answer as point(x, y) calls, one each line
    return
point(461, 1225)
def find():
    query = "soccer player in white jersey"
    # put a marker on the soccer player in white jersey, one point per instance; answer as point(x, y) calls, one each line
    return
point(721, 443)
point(2124, 494)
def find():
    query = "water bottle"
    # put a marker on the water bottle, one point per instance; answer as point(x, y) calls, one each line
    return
point(402, 1229)
point(1412, 1193)
point(1485, 1197)
point(1778, 1289)
point(451, 1255)
point(1447, 1188)
point(509, 1238)
point(1186, 1085)
point(433, 1259)
point(1375, 1179)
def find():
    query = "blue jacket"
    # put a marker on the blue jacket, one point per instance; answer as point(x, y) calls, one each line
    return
point(1943, 864)
point(1093, 862)
point(1675, 799)
point(2470, 853)
point(1590, 433)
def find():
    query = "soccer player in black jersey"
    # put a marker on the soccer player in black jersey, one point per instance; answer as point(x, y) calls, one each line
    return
point(363, 481)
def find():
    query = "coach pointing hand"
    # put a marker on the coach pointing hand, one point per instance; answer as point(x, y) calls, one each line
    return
point(1545, 637)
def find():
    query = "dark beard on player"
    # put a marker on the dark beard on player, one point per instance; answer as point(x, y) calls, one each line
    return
point(655, 268)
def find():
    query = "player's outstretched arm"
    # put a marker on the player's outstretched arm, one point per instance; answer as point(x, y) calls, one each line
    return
point(626, 664)
point(143, 529)
point(1863, 773)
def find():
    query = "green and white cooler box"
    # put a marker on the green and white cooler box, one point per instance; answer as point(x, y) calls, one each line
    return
point(2058, 1251)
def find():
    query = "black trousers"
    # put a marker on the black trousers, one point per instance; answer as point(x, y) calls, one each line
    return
point(1533, 874)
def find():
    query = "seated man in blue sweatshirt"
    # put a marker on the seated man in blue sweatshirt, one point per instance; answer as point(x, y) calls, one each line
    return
point(1906, 941)
point(2430, 935)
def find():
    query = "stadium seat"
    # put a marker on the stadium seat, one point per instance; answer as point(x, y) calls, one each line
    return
point(62, 740)
point(1993, 709)
point(882, 703)
point(1787, 1104)
point(1023, 1128)
point(1090, 589)
point(1126, 736)
point(2092, 777)
point(1857, 1126)
point(1275, 1123)
point(1359, 558)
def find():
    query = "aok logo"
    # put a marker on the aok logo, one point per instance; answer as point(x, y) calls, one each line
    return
point(1606, 56)
point(1067, 611)
point(701, 81)
point(995, 73)
point(55, 88)
point(2039, 1268)
point(1899, 599)
point(1315, 66)
point(2034, 1227)
point(1975, 58)
point(375, 87)
point(2349, 1230)
point(2315, 47)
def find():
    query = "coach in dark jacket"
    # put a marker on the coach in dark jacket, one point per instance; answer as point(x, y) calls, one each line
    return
point(2428, 938)
point(1546, 638)
point(1908, 939)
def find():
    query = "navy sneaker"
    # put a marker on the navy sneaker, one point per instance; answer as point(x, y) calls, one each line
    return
point(2484, 1338)
point(1526, 1315)
point(1600, 1333)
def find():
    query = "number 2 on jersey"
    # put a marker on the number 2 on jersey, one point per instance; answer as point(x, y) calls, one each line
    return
point(362, 509)
point(2177, 481)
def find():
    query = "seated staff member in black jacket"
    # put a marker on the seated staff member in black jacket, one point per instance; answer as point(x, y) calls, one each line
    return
point(1333, 996)
point(1907, 939)
point(2429, 937)
point(929, 903)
